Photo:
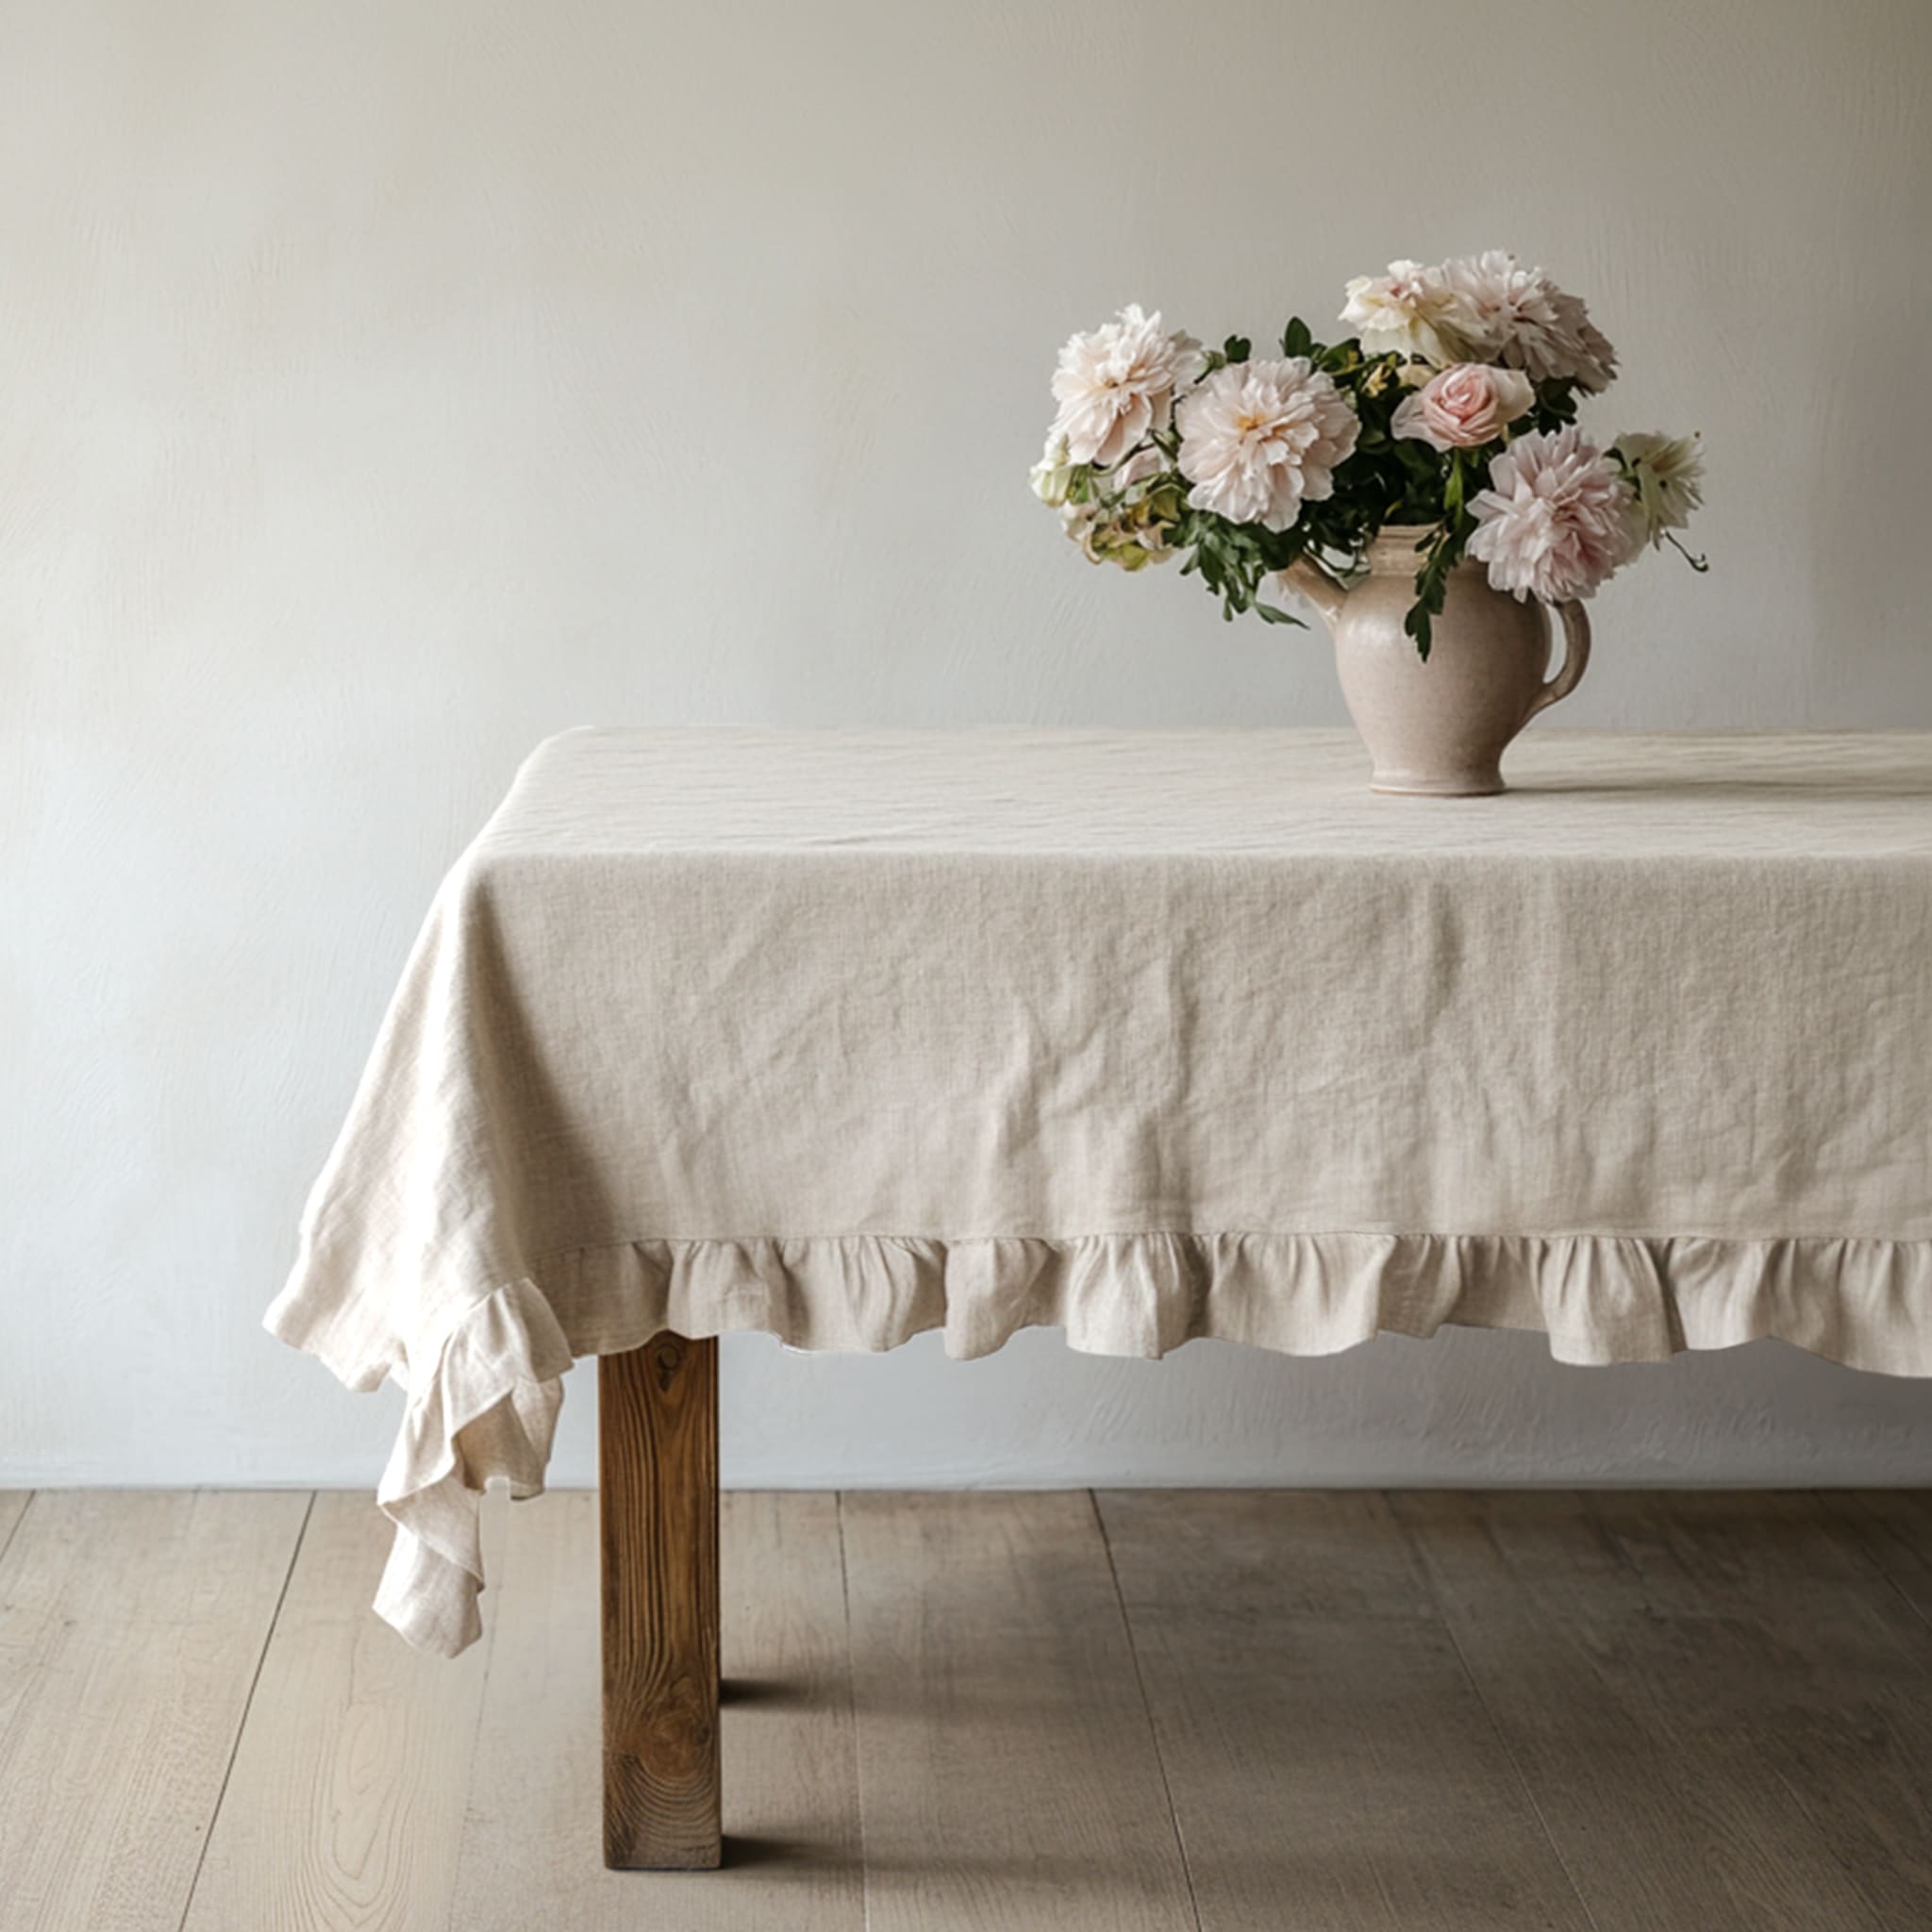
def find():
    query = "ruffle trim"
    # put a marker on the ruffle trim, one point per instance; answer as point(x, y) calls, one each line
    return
point(486, 1405)
point(1600, 1298)
point(486, 1408)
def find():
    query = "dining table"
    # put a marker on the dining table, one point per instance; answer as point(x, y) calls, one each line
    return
point(842, 1036)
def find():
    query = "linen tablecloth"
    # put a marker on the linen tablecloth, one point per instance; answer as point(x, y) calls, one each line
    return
point(1147, 1036)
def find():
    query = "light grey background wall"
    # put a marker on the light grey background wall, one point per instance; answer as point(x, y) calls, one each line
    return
point(385, 386)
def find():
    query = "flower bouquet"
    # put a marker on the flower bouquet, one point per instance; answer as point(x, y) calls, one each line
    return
point(1440, 435)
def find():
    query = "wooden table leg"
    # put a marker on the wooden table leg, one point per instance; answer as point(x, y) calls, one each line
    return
point(657, 1464)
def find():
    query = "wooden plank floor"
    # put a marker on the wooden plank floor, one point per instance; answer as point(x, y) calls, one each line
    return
point(1173, 1712)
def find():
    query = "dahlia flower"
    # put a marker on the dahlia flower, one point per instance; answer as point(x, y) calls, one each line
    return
point(1118, 383)
point(1464, 406)
point(1260, 438)
point(1414, 310)
point(1557, 521)
point(1519, 317)
point(1667, 474)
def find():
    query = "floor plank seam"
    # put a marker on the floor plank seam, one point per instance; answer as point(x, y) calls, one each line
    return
point(1497, 1730)
point(1828, 1522)
point(7, 1542)
point(268, 1637)
point(852, 1704)
point(1147, 1709)
point(449, 1919)
point(1801, 1803)
point(1873, 1552)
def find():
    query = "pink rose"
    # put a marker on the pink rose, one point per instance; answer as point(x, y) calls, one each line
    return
point(1468, 404)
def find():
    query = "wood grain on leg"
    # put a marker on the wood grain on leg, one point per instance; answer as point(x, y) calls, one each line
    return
point(658, 1458)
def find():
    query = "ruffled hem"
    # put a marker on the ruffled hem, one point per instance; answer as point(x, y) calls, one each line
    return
point(486, 1405)
point(1600, 1298)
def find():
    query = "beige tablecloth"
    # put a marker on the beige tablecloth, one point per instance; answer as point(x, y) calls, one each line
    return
point(1146, 1036)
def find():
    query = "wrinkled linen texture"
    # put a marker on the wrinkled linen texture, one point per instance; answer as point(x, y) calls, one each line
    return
point(841, 1037)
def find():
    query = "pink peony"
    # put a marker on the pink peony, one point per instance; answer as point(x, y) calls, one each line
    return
point(1524, 319)
point(1559, 519)
point(1467, 404)
point(1259, 439)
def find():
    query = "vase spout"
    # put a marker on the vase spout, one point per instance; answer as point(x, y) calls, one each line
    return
point(1307, 578)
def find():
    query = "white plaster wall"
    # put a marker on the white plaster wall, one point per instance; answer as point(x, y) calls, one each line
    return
point(383, 386)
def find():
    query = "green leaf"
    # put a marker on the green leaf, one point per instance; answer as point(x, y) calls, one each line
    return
point(1296, 338)
point(1238, 348)
point(1268, 614)
point(1417, 626)
point(1277, 549)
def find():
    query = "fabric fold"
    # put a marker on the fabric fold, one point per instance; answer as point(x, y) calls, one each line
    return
point(485, 1407)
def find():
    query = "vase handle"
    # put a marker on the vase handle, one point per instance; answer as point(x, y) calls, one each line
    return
point(1575, 658)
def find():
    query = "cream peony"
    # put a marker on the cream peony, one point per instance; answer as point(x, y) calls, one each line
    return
point(1557, 521)
point(1412, 311)
point(1667, 474)
point(1118, 383)
point(1260, 438)
point(1518, 316)
point(1466, 404)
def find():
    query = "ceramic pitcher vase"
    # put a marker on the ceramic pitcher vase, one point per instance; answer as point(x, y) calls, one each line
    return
point(1439, 728)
